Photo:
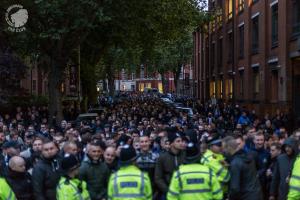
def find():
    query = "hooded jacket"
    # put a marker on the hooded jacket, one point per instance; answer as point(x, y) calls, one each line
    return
point(279, 186)
point(244, 183)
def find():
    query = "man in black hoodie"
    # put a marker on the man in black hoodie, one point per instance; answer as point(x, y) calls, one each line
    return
point(46, 173)
point(279, 185)
point(244, 183)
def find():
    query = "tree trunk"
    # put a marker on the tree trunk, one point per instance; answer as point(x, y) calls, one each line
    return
point(111, 79)
point(55, 97)
point(164, 83)
point(176, 78)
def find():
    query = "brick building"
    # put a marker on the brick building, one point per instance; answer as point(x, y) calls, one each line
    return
point(35, 82)
point(250, 53)
point(141, 79)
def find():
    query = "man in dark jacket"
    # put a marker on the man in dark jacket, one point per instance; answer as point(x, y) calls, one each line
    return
point(262, 158)
point(244, 184)
point(95, 172)
point(275, 151)
point(279, 185)
point(168, 162)
point(46, 173)
point(18, 179)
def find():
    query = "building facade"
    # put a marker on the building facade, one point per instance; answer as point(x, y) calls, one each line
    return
point(250, 54)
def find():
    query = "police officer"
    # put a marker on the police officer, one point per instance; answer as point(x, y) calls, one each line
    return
point(5, 191)
point(129, 182)
point(194, 180)
point(69, 187)
point(294, 182)
point(214, 159)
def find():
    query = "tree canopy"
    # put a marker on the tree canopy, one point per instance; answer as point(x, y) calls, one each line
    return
point(111, 34)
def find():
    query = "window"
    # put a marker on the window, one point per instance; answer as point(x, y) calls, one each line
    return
point(220, 88)
point(256, 83)
point(255, 34)
point(254, 1)
point(219, 20)
point(212, 89)
point(229, 9)
point(230, 40)
point(229, 88)
point(220, 53)
point(274, 88)
point(241, 5)
point(141, 87)
point(241, 41)
point(212, 58)
point(274, 9)
point(242, 83)
point(296, 17)
point(142, 74)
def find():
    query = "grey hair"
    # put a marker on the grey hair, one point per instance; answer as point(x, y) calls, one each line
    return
point(230, 143)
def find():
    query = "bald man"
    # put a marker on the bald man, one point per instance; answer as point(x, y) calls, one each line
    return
point(19, 179)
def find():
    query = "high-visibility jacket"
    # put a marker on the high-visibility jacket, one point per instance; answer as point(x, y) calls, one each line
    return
point(213, 161)
point(294, 183)
point(71, 189)
point(129, 182)
point(6, 192)
point(194, 181)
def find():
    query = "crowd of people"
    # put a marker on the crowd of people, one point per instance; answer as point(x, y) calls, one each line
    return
point(141, 148)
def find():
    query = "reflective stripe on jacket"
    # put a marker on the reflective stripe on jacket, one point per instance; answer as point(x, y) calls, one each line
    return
point(72, 189)
point(294, 184)
point(194, 181)
point(129, 182)
point(213, 161)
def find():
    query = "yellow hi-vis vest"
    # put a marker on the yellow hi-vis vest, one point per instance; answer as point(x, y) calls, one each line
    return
point(129, 182)
point(213, 161)
point(194, 181)
point(294, 184)
point(72, 189)
point(6, 192)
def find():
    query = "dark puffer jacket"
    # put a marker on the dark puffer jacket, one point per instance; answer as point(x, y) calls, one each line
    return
point(21, 184)
point(279, 186)
point(244, 182)
point(96, 175)
point(166, 164)
point(45, 176)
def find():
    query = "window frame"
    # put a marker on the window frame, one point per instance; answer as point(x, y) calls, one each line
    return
point(241, 41)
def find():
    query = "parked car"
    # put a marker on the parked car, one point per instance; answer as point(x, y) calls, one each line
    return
point(187, 110)
point(99, 111)
point(85, 117)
